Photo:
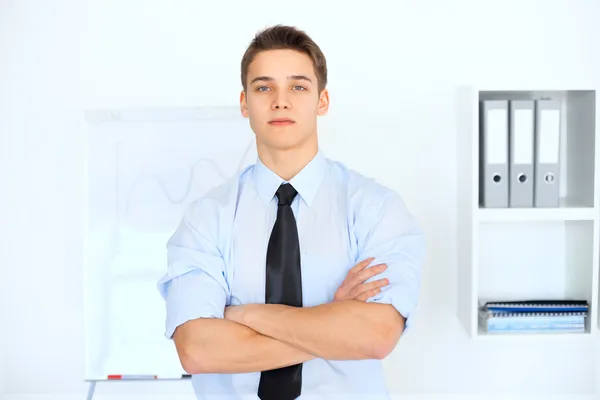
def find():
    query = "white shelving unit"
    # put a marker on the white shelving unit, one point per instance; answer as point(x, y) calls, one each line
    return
point(530, 253)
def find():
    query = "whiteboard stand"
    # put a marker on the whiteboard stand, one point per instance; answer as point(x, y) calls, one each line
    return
point(91, 389)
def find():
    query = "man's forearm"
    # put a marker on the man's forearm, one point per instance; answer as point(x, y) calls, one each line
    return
point(221, 346)
point(340, 330)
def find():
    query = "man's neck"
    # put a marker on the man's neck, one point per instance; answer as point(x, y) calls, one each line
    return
point(287, 163)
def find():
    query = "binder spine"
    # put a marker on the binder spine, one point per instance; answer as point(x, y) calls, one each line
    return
point(493, 160)
point(547, 153)
point(521, 153)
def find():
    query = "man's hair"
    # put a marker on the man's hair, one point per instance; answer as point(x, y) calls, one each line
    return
point(285, 37)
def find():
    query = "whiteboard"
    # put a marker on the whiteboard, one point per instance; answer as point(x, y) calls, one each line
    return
point(143, 167)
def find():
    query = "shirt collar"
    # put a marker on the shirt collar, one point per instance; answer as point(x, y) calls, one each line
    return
point(306, 182)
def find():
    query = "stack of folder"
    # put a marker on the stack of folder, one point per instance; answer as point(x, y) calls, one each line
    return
point(533, 316)
point(519, 153)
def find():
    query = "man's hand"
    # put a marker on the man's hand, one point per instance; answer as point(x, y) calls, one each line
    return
point(343, 329)
point(354, 288)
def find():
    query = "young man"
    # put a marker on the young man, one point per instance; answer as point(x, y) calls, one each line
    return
point(295, 278)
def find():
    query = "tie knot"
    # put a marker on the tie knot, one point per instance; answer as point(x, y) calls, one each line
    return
point(286, 194)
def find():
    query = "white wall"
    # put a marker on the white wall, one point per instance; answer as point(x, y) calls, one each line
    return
point(393, 68)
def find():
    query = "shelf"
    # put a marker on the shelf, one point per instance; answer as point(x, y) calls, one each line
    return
point(560, 336)
point(529, 253)
point(575, 149)
point(542, 259)
point(537, 214)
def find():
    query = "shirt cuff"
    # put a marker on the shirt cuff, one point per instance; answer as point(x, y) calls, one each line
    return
point(401, 296)
point(192, 295)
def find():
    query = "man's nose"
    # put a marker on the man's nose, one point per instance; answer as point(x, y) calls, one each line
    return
point(281, 101)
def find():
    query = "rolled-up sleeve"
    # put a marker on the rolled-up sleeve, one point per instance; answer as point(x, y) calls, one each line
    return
point(195, 284)
point(392, 236)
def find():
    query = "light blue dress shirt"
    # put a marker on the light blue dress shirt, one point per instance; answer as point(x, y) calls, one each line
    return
point(216, 258)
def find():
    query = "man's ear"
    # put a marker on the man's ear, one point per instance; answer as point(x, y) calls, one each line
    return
point(323, 103)
point(244, 104)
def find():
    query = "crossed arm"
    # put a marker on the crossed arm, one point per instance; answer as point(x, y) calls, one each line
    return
point(278, 336)
point(258, 337)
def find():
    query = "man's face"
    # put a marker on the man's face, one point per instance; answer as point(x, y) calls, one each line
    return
point(282, 99)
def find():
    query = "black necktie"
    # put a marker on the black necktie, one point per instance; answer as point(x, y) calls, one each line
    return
point(283, 286)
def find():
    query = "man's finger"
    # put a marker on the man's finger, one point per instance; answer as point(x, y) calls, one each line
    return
point(367, 294)
point(365, 287)
point(340, 293)
point(363, 276)
point(361, 265)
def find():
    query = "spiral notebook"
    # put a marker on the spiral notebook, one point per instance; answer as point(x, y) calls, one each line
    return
point(534, 316)
point(529, 306)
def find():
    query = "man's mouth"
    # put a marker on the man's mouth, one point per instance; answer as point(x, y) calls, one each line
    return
point(281, 121)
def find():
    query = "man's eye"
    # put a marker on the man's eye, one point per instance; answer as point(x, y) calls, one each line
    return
point(298, 87)
point(260, 88)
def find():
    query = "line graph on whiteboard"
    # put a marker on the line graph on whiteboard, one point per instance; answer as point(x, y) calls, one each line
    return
point(152, 189)
point(141, 178)
point(156, 176)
